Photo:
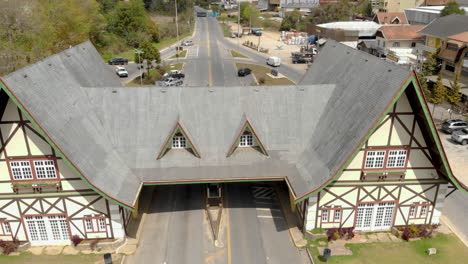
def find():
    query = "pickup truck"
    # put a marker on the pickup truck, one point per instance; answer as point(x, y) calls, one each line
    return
point(298, 57)
point(174, 74)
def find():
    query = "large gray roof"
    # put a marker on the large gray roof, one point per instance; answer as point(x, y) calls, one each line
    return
point(446, 26)
point(51, 92)
point(113, 134)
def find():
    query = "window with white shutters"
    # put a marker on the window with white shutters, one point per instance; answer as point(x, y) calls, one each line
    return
point(396, 158)
point(179, 142)
point(325, 216)
point(41, 169)
point(95, 224)
point(45, 169)
point(375, 159)
point(246, 140)
point(5, 228)
point(21, 170)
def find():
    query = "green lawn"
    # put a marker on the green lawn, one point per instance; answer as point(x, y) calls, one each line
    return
point(226, 29)
point(137, 81)
point(261, 72)
point(130, 54)
point(182, 54)
point(449, 250)
point(236, 54)
point(26, 257)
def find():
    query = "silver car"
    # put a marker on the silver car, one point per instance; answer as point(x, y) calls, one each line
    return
point(453, 125)
point(460, 136)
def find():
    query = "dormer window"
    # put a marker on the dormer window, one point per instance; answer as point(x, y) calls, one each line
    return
point(178, 139)
point(179, 142)
point(246, 140)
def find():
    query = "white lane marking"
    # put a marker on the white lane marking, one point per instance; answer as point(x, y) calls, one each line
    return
point(269, 209)
point(269, 216)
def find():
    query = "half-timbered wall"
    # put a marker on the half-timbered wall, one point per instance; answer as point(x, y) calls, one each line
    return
point(67, 195)
point(418, 184)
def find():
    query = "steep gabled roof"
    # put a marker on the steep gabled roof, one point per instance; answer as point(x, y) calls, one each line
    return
point(247, 127)
point(49, 93)
point(389, 18)
point(109, 134)
point(446, 26)
point(190, 146)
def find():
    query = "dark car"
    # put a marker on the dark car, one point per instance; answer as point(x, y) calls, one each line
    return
point(244, 71)
point(453, 125)
point(118, 61)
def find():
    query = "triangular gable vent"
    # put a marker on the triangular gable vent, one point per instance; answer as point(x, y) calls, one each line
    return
point(178, 139)
point(247, 137)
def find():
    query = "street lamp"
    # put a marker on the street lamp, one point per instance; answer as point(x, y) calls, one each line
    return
point(139, 52)
point(177, 31)
point(238, 26)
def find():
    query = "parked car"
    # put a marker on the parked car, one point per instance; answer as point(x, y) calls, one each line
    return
point(453, 125)
point(299, 57)
point(275, 15)
point(257, 31)
point(187, 43)
point(173, 82)
point(235, 35)
point(460, 136)
point(176, 74)
point(118, 61)
point(273, 61)
point(121, 71)
point(244, 72)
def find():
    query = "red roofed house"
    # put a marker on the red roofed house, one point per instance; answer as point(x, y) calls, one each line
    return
point(398, 42)
point(390, 18)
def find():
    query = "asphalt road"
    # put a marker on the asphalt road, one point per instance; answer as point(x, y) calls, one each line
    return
point(456, 210)
point(253, 230)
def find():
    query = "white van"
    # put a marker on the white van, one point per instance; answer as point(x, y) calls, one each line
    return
point(274, 61)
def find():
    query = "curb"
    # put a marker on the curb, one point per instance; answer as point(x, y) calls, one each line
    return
point(455, 231)
point(310, 255)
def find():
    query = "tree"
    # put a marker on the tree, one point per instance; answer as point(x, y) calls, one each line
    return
point(150, 54)
point(127, 20)
point(424, 87)
point(249, 14)
point(341, 11)
point(452, 8)
point(430, 66)
point(453, 94)
point(292, 20)
point(439, 93)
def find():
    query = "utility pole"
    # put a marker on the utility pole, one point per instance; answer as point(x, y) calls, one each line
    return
point(177, 32)
point(238, 26)
point(139, 51)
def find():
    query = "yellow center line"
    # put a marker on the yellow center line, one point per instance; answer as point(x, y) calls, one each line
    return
point(210, 258)
point(210, 73)
point(228, 224)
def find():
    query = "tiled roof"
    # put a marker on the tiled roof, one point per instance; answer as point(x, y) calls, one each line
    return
point(402, 32)
point(388, 18)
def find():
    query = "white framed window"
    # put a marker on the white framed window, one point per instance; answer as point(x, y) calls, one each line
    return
point(396, 158)
point(375, 159)
point(88, 225)
point(324, 215)
point(45, 169)
point(179, 142)
point(246, 140)
point(423, 211)
point(5, 228)
point(412, 211)
point(337, 216)
point(21, 170)
point(102, 224)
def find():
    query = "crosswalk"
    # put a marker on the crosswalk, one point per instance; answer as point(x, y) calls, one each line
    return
point(263, 192)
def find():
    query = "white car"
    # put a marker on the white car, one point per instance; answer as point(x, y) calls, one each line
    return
point(173, 82)
point(460, 136)
point(273, 61)
point(187, 43)
point(121, 71)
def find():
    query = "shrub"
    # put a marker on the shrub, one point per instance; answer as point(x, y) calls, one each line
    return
point(9, 246)
point(76, 240)
point(406, 234)
point(414, 231)
point(336, 233)
point(93, 244)
point(317, 231)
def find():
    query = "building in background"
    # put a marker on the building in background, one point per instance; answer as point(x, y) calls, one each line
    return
point(301, 5)
point(454, 56)
point(426, 14)
point(384, 18)
point(398, 43)
point(347, 32)
point(398, 5)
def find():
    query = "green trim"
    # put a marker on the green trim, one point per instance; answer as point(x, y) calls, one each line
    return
point(33, 195)
point(358, 149)
point(57, 150)
point(30, 184)
point(384, 172)
point(210, 181)
point(436, 137)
